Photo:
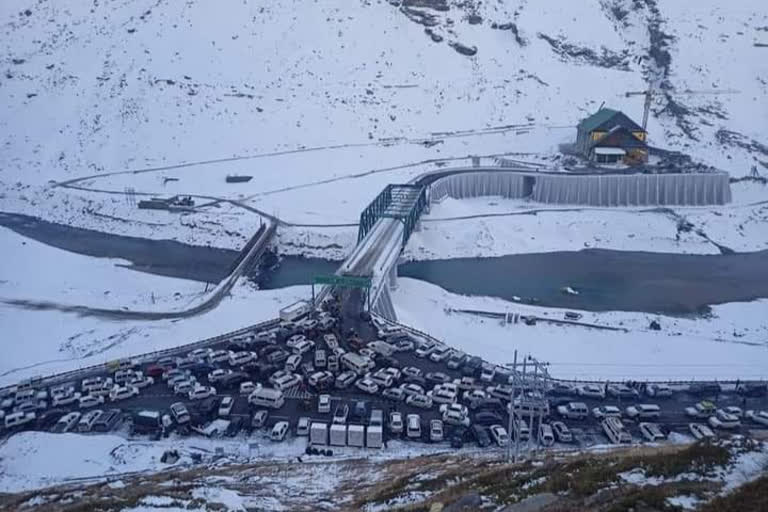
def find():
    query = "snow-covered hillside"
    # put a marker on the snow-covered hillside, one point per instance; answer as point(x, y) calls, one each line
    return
point(89, 88)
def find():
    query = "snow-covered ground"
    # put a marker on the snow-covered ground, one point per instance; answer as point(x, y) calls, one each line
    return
point(325, 105)
point(46, 342)
point(35, 271)
point(494, 226)
point(729, 345)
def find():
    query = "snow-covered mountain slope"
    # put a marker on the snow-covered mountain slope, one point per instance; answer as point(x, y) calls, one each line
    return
point(104, 85)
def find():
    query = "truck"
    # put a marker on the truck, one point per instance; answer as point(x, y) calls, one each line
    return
point(356, 436)
point(374, 436)
point(318, 433)
point(295, 311)
point(338, 435)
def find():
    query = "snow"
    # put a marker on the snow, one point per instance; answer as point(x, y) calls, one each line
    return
point(703, 348)
point(51, 341)
point(494, 226)
point(686, 502)
point(36, 271)
point(230, 499)
point(334, 103)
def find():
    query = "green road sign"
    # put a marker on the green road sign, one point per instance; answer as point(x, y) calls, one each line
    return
point(344, 281)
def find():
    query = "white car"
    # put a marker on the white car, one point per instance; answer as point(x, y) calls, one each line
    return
point(303, 347)
point(330, 341)
point(199, 354)
point(226, 405)
point(487, 373)
point(499, 434)
point(424, 350)
point(473, 395)
point(293, 340)
point(292, 363)
point(219, 356)
point(279, 431)
point(141, 381)
point(201, 392)
point(92, 383)
point(658, 390)
point(441, 354)
point(174, 374)
point(412, 389)
point(442, 396)
point(185, 386)
point(465, 383)
point(89, 401)
point(702, 409)
point(248, 387)
point(723, 419)
point(344, 379)
point(381, 379)
point(736, 411)
point(606, 411)
point(591, 391)
point(218, 374)
point(394, 372)
point(652, 432)
point(423, 401)
point(412, 371)
point(324, 404)
point(367, 385)
point(103, 391)
point(59, 400)
point(546, 435)
point(285, 380)
point(643, 411)
point(242, 358)
point(701, 431)
point(455, 414)
point(396, 422)
point(760, 417)
point(435, 431)
point(123, 392)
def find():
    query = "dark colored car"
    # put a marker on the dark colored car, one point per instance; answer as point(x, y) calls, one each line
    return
point(472, 366)
point(201, 369)
point(458, 436)
point(487, 418)
point(359, 412)
point(233, 380)
point(412, 379)
point(390, 361)
point(49, 418)
point(560, 389)
point(235, 424)
point(486, 404)
point(206, 408)
point(278, 356)
point(265, 351)
point(755, 390)
point(154, 371)
point(481, 436)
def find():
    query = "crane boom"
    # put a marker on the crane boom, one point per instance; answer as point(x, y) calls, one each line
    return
point(649, 93)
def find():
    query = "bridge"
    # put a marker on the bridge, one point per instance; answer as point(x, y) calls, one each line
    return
point(388, 221)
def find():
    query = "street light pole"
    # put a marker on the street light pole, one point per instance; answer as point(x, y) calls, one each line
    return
point(510, 411)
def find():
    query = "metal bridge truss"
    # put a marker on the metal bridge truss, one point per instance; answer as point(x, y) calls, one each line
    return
point(402, 202)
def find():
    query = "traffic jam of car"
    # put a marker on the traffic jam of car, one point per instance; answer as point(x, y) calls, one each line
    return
point(309, 379)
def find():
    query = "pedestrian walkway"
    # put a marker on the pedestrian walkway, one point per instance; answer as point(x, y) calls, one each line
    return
point(297, 393)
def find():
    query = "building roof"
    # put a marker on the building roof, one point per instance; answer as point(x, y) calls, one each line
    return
point(618, 136)
point(607, 118)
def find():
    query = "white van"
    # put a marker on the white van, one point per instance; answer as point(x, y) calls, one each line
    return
point(357, 363)
point(16, 419)
point(644, 411)
point(546, 436)
point(413, 426)
point(381, 347)
point(267, 397)
point(279, 431)
point(573, 410)
point(614, 429)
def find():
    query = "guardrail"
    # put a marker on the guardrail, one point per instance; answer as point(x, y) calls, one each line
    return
point(151, 356)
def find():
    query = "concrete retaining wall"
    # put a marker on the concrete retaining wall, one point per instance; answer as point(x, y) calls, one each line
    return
point(591, 190)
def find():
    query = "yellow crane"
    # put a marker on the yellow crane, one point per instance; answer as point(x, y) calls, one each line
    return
point(650, 93)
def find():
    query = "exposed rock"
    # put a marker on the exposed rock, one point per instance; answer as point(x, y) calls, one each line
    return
point(474, 19)
point(435, 37)
point(532, 503)
point(465, 503)
point(463, 49)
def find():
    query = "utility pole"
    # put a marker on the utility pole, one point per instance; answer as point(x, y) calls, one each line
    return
point(510, 411)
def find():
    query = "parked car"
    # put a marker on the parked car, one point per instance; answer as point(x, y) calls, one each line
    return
point(621, 391)
point(562, 389)
point(345, 379)
point(652, 432)
point(248, 387)
point(591, 391)
point(723, 419)
point(606, 411)
point(279, 431)
point(88, 401)
point(703, 409)
point(658, 390)
point(753, 390)
point(366, 385)
point(481, 435)
point(180, 413)
point(226, 405)
point(562, 432)
point(456, 360)
point(156, 371)
point(573, 410)
point(499, 434)
point(425, 350)
point(302, 427)
point(643, 411)
point(412, 371)
point(736, 411)
point(437, 377)
point(340, 414)
point(435, 431)
point(141, 381)
point(705, 389)
point(65, 399)
point(422, 401)
point(202, 392)
point(701, 431)
point(241, 358)
point(487, 418)
point(259, 419)
point(123, 393)
point(396, 422)
point(396, 394)
point(218, 374)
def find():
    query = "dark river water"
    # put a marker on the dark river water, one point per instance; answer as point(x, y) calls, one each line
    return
point(605, 280)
